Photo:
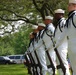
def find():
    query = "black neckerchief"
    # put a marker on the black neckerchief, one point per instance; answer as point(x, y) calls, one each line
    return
point(58, 25)
point(31, 40)
point(70, 16)
point(39, 34)
point(46, 28)
point(43, 33)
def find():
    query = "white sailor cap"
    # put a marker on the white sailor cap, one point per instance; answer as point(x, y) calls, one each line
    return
point(41, 24)
point(49, 17)
point(72, 1)
point(59, 11)
point(34, 26)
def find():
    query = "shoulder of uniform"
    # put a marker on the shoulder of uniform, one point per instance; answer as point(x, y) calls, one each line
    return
point(50, 26)
point(63, 18)
point(62, 23)
point(74, 12)
point(74, 18)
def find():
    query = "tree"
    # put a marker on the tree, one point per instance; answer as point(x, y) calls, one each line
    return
point(31, 11)
point(6, 46)
point(21, 40)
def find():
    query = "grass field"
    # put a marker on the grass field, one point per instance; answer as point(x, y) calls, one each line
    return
point(16, 69)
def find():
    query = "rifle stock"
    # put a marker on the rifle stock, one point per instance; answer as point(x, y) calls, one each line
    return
point(28, 64)
point(56, 51)
point(38, 62)
point(34, 65)
point(52, 65)
point(61, 62)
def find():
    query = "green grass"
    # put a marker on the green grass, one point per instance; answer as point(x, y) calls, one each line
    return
point(16, 69)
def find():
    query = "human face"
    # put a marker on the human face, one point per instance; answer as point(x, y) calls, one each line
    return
point(47, 21)
point(58, 16)
point(40, 28)
point(35, 30)
point(71, 7)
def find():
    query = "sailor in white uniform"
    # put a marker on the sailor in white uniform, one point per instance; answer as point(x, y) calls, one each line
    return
point(41, 50)
point(31, 44)
point(63, 47)
point(48, 32)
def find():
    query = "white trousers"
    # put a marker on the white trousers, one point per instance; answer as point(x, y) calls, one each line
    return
point(53, 57)
point(72, 57)
point(63, 55)
point(42, 59)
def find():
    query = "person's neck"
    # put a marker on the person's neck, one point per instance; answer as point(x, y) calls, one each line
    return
point(59, 18)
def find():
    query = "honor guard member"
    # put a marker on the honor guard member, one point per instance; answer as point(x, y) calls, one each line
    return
point(41, 50)
point(31, 45)
point(30, 50)
point(63, 47)
point(70, 30)
point(48, 32)
point(71, 25)
point(35, 43)
point(35, 31)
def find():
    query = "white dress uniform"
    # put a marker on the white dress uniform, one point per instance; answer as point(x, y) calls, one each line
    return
point(48, 43)
point(63, 47)
point(72, 42)
point(70, 30)
point(31, 49)
point(39, 47)
point(31, 46)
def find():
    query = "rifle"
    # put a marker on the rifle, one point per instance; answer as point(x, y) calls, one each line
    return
point(28, 64)
point(58, 55)
point(60, 60)
point(34, 65)
point(52, 65)
point(39, 64)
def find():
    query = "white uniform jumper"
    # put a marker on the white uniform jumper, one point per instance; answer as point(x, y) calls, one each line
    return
point(72, 40)
point(70, 30)
point(31, 50)
point(39, 47)
point(63, 47)
point(48, 43)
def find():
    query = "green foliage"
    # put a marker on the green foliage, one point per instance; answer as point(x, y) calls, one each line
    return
point(5, 46)
point(19, 9)
point(21, 40)
point(16, 43)
point(29, 12)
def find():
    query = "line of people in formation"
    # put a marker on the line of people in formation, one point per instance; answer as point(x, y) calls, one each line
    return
point(57, 34)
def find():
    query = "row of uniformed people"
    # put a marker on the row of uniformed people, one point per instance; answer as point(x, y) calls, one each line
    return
point(39, 46)
point(70, 30)
point(42, 42)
